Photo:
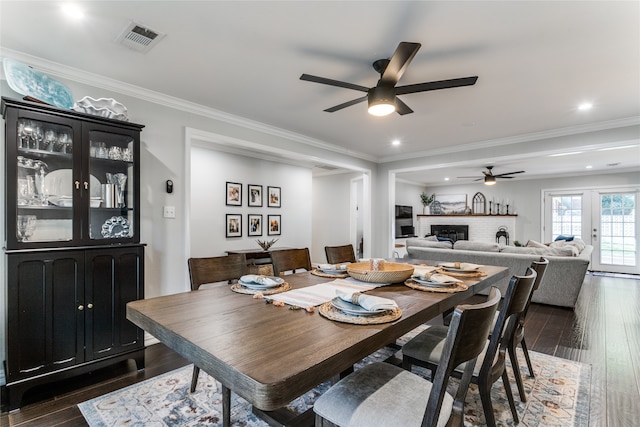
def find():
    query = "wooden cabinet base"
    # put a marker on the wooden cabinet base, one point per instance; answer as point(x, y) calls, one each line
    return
point(16, 390)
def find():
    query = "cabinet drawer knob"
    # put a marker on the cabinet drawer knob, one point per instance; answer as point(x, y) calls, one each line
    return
point(81, 307)
point(89, 306)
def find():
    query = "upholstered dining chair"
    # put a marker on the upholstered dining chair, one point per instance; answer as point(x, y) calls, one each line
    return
point(338, 254)
point(425, 349)
point(211, 270)
point(290, 260)
point(518, 338)
point(383, 394)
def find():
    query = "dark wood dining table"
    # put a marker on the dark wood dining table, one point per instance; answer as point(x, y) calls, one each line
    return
point(271, 355)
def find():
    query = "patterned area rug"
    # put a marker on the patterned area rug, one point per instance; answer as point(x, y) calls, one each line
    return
point(558, 396)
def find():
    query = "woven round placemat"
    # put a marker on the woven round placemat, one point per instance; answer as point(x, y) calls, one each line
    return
point(330, 312)
point(467, 275)
point(320, 273)
point(237, 287)
point(458, 287)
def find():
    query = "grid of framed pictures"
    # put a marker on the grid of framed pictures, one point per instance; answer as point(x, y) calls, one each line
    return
point(255, 198)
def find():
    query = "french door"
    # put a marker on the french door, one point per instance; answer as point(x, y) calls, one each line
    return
point(605, 218)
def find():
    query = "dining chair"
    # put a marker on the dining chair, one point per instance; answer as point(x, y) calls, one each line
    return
point(518, 338)
point(290, 260)
point(211, 270)
point(338, 254)
point(425, 349)
point(386, 395)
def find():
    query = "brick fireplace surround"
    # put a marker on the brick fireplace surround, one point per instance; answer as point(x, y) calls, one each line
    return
point(482, 228)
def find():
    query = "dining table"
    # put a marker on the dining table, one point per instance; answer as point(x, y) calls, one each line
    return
point(270, 355)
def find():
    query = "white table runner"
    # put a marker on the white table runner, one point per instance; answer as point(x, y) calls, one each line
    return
point(319, 294)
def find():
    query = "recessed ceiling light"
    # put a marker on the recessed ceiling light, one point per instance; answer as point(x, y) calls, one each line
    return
point(72, 11)
point(395, 142)
point(589, 166)
point(585, 106)
point(446, 178)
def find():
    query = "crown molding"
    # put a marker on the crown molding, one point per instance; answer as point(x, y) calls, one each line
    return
point(519, 139)
point(73, 74)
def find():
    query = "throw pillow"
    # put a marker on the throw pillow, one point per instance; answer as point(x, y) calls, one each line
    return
point(534, 244)
point(563, 237)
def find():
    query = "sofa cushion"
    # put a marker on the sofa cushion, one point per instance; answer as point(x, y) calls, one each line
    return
point(441, 245)
point(428, 242)
point(470, 245)
point(525, 250)
point(567, 251)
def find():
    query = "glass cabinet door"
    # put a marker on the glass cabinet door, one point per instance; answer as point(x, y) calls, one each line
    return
point(44, 181)
point(112, 180)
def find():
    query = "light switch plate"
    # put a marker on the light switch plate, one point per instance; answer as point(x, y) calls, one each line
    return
point(169, 211)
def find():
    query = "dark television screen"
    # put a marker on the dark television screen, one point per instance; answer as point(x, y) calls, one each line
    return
point(404, 211)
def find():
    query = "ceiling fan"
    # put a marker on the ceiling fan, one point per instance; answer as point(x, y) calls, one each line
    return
point(490, 178)
point(382, 97)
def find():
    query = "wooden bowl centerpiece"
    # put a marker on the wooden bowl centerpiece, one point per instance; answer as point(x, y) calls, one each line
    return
point(387, 272)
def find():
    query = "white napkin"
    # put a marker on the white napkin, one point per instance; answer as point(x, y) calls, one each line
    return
point(342, 267)
point(259, 279)
point(422, 272)
point(368, 302)
point(466, 266)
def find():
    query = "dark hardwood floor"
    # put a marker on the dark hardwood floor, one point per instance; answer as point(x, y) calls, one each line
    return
point(603, 330)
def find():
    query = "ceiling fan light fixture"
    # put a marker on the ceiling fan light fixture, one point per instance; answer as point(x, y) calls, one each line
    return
point(489, 180)
point(382, 100)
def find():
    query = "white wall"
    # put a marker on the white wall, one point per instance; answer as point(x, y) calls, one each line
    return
point(211, 169)
point(331, 213)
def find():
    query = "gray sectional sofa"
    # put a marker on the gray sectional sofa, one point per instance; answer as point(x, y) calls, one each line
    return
point(568, 263)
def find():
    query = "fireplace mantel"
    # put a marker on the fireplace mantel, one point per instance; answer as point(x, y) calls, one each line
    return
point(482, 227)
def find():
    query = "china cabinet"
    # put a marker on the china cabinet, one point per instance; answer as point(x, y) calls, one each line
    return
point(72, 250)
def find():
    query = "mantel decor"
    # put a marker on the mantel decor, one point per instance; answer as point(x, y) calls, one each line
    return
point(426, 201)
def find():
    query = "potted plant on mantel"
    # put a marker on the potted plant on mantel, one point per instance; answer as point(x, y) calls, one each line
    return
point(426, 202)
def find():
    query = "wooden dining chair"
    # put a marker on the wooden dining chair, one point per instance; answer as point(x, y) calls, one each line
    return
point(290, 260)
point(540, 267)
point(425, 349)
point(339, 254)
point(383, 394)
point(212, 270)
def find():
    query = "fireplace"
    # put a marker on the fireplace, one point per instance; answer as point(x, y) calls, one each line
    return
point(452, 231)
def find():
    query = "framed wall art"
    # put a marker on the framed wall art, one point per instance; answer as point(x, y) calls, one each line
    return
point(273, 197)
point(254, 195)
point(234, 225)
point(452, 203)
point(234, 194)
point(274, 225)
point(255, 225)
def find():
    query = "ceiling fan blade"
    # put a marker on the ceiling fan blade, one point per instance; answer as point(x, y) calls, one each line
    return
point(346, 104)
point(504, 175)
point(398, 63)
point(402, 108)
point(440, 84)
point(330, 82)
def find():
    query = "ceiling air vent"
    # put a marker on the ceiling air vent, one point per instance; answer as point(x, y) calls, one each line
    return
point(139, 37)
